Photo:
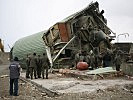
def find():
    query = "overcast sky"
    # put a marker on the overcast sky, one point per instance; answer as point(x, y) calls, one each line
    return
point(20, 18)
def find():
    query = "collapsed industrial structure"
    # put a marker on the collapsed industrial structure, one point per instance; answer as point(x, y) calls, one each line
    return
point(85, 30)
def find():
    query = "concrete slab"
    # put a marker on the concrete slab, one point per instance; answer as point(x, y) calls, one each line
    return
point(61, 84)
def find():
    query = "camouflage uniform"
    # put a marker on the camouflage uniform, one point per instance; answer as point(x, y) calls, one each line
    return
point(78, 57)
point(27, 66)
point(82, 56)
point(117, 62)
point(33, 66)
point(88, 59)
point(39, 65)
point(107, 59)
point(92, 61)
point(45, 64)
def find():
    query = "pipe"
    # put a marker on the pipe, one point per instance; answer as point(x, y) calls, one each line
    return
point(63, 48)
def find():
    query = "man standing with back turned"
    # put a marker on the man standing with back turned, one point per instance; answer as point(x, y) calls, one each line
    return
point(45, 65)
point(33, 66)
point(27, 66)
point(14, 76)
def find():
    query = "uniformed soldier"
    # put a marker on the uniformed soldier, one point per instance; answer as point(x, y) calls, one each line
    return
point(82, 56)
point(88, 58)
point(107, 59)
point(92, 61)
point(45, 65)
point(39, 65)
point(33, 66)
point(27, 66)
point(117, 62)
point(78, 57)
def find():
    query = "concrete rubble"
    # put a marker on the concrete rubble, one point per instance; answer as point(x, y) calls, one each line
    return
point(3, 76)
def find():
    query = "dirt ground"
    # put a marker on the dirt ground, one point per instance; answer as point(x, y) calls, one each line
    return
point(28, 91)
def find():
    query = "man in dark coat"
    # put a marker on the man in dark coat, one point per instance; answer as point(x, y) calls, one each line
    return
point(14, 76)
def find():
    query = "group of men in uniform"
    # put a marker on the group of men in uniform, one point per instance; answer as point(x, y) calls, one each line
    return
point(91, 59)
point(98, 60)
point(37, 65)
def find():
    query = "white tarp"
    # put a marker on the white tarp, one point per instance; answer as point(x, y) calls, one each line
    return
point(102, 70)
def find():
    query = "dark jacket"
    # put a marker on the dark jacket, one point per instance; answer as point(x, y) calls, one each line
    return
point(14, 70)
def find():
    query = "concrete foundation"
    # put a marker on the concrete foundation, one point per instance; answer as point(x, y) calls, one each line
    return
point(127, 68)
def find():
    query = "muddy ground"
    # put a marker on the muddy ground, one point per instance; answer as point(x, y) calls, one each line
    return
point(27, 91)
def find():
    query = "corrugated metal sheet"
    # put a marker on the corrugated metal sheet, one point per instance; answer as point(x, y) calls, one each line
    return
point(29, 45)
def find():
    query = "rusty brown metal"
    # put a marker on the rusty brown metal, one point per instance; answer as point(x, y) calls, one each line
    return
point(63, 32)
